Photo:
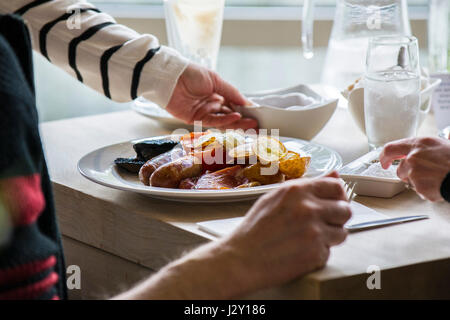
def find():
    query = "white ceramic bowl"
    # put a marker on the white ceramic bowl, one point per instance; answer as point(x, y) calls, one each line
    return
point(369, 185)
point(303, 122)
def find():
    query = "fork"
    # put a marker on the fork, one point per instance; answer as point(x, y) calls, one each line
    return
point(349, 188)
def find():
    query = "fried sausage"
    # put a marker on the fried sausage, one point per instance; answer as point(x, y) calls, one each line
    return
point(188, 183)
point(227, 178)
point(171, 174)
point(151, 165)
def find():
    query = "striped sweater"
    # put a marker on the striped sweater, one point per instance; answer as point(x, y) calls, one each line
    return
point(108, 57)
point(31, 259)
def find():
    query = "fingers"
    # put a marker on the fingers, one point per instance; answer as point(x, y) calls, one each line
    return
point(220, 119)
point(214, 114)
point(244, 124)
point(212, 105)
point(396, 150)
point(333, 174)
point(210, 108)
point(223, 117)
point(225, 109)
point(226, 90)
point(335, 213)
point(403, 171)
point(217, 97)
point(329, 188)
point(334, 235)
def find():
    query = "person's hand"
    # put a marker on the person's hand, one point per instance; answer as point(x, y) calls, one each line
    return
point(289, 232)
point(285, 234)
point(425, 164)
point(201, 95)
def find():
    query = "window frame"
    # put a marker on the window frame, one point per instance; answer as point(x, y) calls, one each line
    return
point(255, 13)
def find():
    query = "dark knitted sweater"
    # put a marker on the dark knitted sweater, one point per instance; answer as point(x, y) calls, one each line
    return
point(31, 259)
point(445, 188)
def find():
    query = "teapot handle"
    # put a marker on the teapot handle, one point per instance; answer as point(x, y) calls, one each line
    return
point(308, 29)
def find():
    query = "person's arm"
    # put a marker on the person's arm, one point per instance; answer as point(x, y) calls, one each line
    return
point(425, 165)
point(109, 57)
point(31, 260)
point(209, 272)
point(123, 64)
point(286, 234)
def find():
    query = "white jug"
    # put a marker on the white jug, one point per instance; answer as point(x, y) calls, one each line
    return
point(354, 23)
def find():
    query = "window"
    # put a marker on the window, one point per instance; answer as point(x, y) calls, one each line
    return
point(250, 3)
point(243, 9)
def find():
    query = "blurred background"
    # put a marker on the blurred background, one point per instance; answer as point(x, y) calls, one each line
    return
point(260, 50)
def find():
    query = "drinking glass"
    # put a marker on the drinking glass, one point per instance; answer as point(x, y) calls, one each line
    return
point(194, 28)
point(438, 23)
point(391, 89)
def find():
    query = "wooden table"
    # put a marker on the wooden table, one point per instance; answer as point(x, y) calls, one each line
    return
point(118, 237)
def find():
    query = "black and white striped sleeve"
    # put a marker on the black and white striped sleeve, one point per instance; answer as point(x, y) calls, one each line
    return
point(88, 44)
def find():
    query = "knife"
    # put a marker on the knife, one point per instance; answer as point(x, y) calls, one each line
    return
point(384, 222)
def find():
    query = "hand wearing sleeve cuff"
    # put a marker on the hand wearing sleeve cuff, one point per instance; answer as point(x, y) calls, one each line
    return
point(160, 76)
point(445, 188)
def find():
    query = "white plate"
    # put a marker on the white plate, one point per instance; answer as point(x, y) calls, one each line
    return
point(99, 167)
point(155, 112)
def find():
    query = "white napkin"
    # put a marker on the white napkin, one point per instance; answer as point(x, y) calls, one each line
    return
point(222, 227)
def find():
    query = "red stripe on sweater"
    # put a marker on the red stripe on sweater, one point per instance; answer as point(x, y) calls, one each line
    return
point(24, 271)
point(23, 198)
point(31, 291)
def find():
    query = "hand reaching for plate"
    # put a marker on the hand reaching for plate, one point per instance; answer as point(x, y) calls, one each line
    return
point(425, 164)
point(202, 95)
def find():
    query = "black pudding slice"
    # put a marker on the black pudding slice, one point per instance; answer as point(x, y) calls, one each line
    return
point(132, 165)
point(149, 149)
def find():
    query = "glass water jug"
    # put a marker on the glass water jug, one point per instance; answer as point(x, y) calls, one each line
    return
point(354, 23)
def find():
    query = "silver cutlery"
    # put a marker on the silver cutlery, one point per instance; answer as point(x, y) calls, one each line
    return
point(349, 188)
point(384, 222)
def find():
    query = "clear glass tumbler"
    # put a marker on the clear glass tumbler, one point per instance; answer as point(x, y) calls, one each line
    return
point(438, 28)
point(194, 28)
point(391, 89)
